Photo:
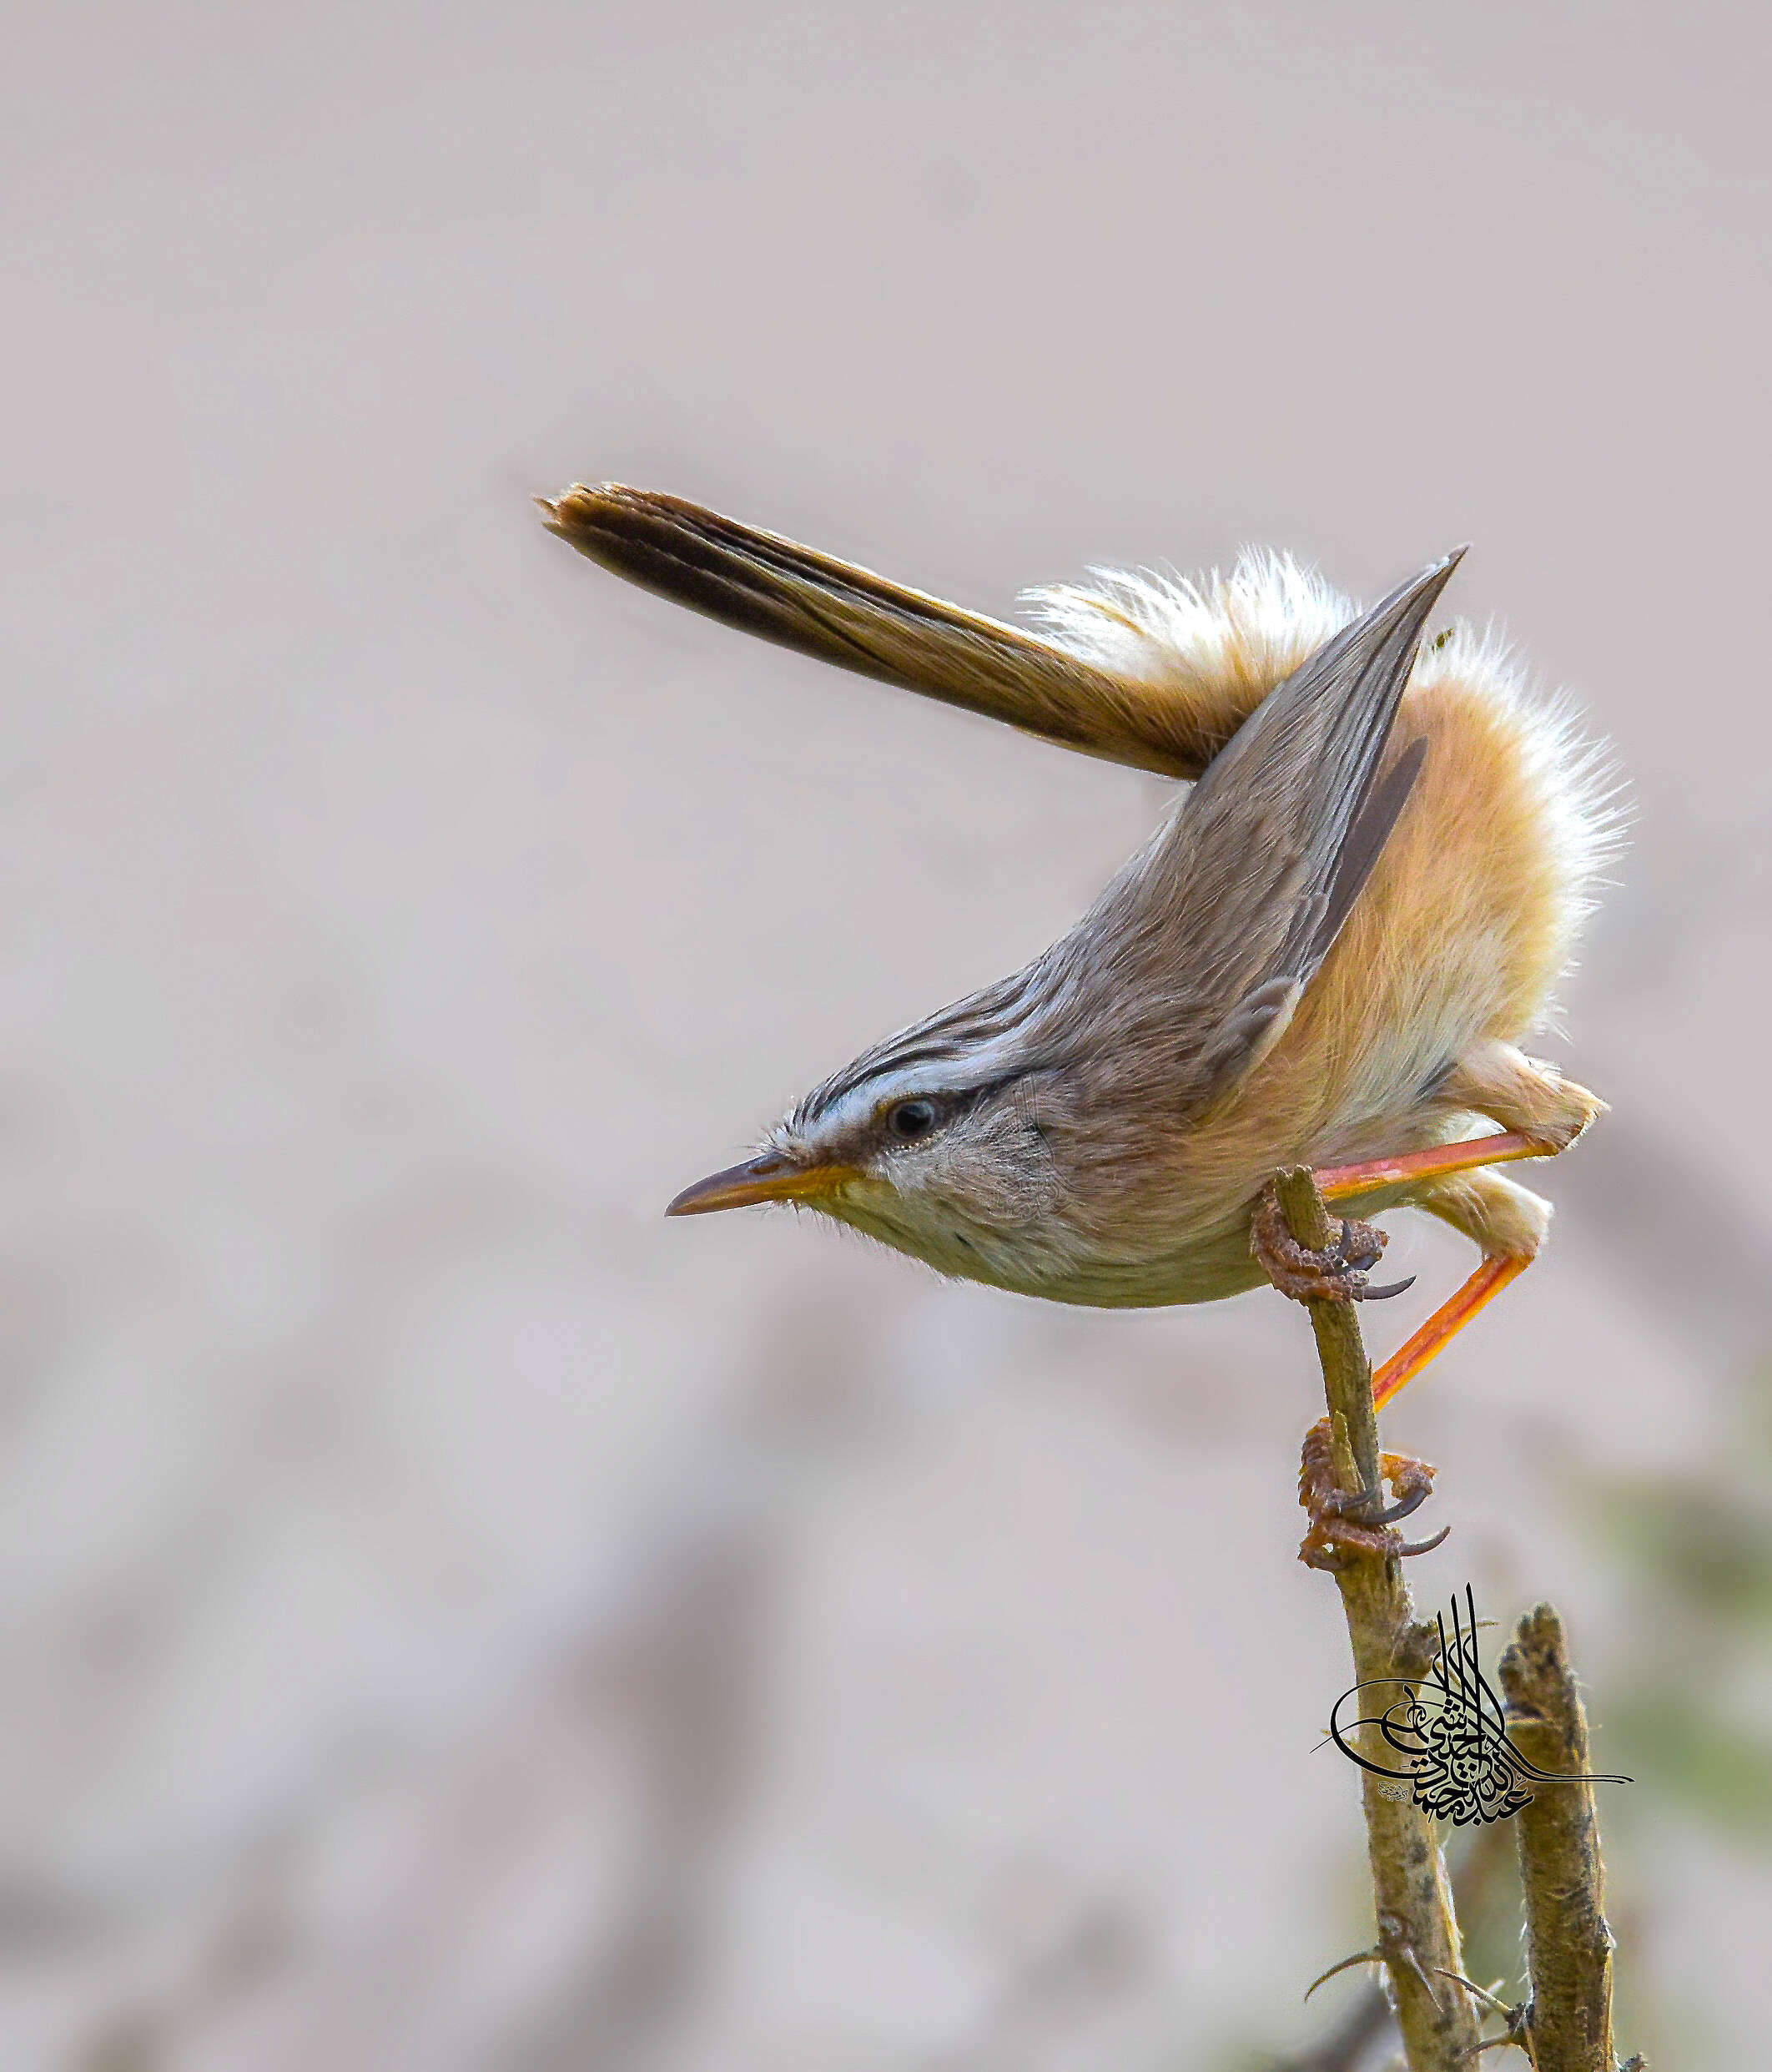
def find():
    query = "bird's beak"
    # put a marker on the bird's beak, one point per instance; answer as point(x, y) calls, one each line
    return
point(770, 1179)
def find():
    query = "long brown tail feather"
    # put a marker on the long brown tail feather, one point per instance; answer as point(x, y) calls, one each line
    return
point(837, 613)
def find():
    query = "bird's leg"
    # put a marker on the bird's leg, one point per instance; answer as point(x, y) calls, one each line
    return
point(1344, 1518)
point(1357, 1519)
point(1410, 1168)
point(1444, 1325)
point(1337, 1274)
point(1540, 1111)
point(1509, 1224)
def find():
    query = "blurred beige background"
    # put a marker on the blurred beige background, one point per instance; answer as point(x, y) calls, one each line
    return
point(453, 1618)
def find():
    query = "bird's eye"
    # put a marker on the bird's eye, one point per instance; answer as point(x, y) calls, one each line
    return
point(912, 1119)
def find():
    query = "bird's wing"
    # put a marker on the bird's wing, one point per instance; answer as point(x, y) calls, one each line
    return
point(837, 613)
point(1262, 864)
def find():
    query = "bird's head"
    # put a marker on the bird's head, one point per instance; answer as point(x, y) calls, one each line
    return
point(945, 1142)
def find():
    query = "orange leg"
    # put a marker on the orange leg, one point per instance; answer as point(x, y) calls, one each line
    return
point(1410, 1168)
point(1338, 1183)
point(1446, 1322)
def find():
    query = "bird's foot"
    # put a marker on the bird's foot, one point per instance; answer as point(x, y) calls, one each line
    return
point(1355, 1521)
point(1337, 1274)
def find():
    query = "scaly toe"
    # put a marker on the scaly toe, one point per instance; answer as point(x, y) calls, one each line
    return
point(1343, 1521)
point(1336, 1274)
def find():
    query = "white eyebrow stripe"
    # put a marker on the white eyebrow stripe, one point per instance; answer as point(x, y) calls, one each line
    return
point(933, 1076)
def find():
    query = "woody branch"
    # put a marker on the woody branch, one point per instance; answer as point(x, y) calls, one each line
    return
point(1568, 2023)
point(1417, 1929)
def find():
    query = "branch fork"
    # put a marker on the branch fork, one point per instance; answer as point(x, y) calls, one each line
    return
point(1565, 2025)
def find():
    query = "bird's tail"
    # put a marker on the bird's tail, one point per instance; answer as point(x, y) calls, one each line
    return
point(838, 613)
point(1159, 672)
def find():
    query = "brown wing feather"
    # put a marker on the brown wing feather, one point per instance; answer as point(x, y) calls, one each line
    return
point(1236, 907)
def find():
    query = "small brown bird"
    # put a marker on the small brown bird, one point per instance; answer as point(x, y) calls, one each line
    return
point(1326, 956)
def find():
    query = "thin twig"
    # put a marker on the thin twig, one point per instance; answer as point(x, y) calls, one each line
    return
point(1417, 1930)
point(1568, 1946)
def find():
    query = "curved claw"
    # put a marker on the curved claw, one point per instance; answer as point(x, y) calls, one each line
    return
point(1335, 1503)
point(1326, 1554)
point(1411, 1501)
point(1348, 1523)
point(1420, 1547)
point(1368, 1254)
point(1382, 1294)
